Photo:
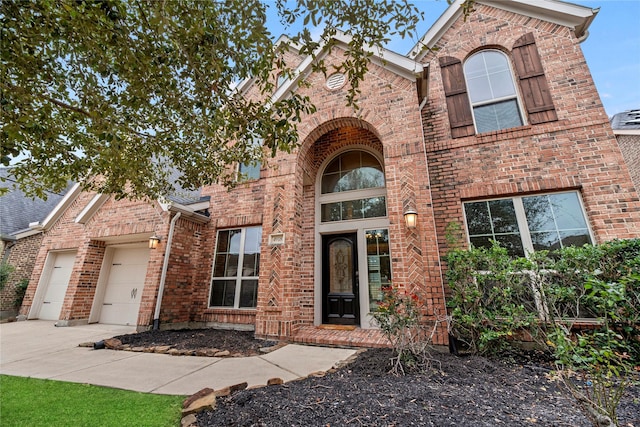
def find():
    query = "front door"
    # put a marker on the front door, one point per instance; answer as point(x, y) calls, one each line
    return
point(340, 279)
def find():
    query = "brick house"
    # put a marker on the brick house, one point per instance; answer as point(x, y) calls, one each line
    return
point(499, 134)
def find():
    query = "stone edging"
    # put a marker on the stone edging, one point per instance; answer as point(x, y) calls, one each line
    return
point(116, 344)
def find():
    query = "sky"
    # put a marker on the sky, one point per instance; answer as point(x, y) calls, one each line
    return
point(612, 49)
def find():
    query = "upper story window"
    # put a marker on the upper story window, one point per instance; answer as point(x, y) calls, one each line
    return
point(251, 170)
point(353, 187)
point(482, 96)
point(492, 91)
point(527, 223)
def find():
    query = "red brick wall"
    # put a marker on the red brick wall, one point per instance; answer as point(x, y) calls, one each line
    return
point(578, 151)
point(22, 256)
point(187, 276)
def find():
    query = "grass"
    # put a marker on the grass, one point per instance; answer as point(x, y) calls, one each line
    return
point(34, 402)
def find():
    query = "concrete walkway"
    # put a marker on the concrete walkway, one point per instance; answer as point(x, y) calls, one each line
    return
point(38, 349)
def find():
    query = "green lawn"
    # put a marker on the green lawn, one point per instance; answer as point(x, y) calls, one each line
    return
point(34, 402)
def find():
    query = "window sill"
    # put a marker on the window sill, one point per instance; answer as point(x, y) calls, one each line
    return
point(502, 134)
point(230, 310)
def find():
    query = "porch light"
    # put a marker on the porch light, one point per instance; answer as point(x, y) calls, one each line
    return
point(411, 218)
point(153, 241)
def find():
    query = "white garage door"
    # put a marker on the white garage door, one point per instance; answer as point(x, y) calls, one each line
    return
point(57, 285)
point(123, 291)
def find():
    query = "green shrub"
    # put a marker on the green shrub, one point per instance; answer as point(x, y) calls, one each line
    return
point(545, 297)
point(5, 271)
point(492, 300)
point(21, 290)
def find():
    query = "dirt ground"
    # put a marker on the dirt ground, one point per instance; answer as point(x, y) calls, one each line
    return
point(458, 391)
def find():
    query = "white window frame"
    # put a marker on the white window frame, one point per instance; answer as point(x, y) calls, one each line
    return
point(521, 218)
point(238, 277)
point(516, 93)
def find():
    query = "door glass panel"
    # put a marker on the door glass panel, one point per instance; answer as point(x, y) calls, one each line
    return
point(340, 267)
point(378, 264)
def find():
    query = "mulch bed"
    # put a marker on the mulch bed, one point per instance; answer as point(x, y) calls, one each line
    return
point(238, 343)
point(457, 391)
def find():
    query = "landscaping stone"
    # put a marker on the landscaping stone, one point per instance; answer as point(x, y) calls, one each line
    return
point(204, 392)
point(275, 381)
point(162, 349)
point(207, 402)
point(189, 421)
point(113, 343)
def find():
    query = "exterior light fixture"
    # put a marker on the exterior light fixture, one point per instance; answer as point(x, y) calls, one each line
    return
point(411, 218)
point(153, 241)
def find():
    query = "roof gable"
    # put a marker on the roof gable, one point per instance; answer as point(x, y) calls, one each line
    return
point(385, 58)
point(570, 15)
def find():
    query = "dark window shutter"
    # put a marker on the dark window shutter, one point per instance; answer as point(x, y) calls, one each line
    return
point(533, 83)
point(455, 92)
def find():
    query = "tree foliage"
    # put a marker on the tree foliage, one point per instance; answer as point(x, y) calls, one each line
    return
point(118, 94)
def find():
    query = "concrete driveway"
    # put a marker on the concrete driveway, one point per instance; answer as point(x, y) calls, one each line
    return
point(37, 348)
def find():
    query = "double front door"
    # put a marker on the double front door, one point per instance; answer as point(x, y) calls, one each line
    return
point(340, 280)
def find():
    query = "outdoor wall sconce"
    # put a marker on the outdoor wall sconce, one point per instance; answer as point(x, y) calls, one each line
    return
point(153, 241)
point(411, 218)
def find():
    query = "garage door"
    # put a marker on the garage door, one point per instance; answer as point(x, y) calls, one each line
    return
point(56, 287)
point(123, 291)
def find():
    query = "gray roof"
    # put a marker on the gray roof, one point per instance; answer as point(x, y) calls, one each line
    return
point(181, 195)
point(629, 119)
point(18, 210)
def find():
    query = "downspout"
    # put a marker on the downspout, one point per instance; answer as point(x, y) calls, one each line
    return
point(452, 347)
point(165, 267)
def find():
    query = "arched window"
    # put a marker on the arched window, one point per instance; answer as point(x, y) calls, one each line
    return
point(492, 92)
point(353, 187)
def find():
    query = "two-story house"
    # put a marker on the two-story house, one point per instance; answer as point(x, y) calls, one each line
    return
point(497, 133)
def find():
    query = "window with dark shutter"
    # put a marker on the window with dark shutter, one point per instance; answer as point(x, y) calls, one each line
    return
point(455, 92)
point(492, 91)
point(533, 83)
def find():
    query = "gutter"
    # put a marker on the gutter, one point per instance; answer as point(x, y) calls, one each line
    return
point(165, 267)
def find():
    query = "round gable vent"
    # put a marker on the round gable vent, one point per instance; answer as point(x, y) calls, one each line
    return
point(335, 81)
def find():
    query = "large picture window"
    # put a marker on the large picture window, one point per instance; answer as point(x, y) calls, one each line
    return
point(528, 223)
point(492, 91)
point(236, 268)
